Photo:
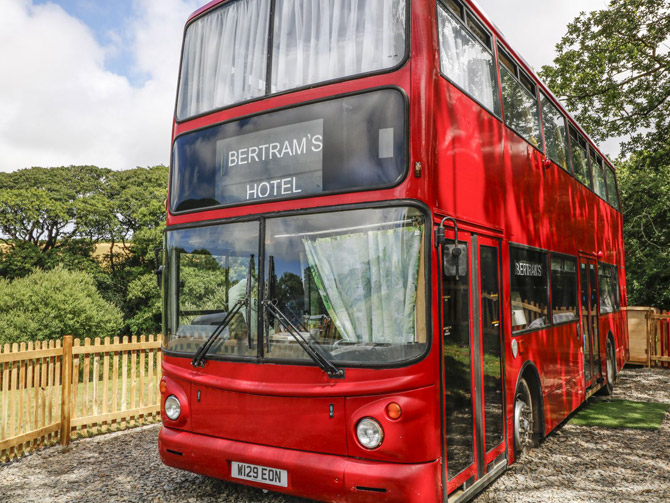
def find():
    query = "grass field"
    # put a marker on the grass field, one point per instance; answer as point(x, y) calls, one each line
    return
point(622, 414)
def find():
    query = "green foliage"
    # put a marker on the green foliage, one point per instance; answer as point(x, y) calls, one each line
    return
point(45, 206)
point(144, 300)
point(52, 217)
point(612, 71)
point(644, 181)
point(49, 304)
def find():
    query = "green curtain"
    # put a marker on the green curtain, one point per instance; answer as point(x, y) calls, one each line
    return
point(368, 282)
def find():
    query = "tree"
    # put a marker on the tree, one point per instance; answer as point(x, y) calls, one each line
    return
point(49, 304)
point(44, 206)
point(644, 181)
point(613, 71)
point(52, 216)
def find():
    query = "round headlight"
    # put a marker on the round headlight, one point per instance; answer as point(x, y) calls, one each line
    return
point(172, 407)
point(370, 433)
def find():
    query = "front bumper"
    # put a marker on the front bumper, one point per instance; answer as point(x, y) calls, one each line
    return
point(318, 476)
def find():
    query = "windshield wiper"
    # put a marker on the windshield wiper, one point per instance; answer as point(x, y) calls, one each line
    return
point(199, 358)
point(314, 351)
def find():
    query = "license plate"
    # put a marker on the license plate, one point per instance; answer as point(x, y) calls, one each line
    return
point(262, 474)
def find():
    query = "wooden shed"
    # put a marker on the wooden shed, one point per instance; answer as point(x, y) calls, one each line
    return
point(639, 328)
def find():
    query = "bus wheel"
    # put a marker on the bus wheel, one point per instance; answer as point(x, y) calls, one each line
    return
point(524, 418)
point(608, 389)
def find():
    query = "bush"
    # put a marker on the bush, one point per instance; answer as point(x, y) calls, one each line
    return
point(49, 304)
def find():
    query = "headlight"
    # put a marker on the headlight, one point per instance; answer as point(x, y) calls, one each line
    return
point(172, 407)
point(370, 433)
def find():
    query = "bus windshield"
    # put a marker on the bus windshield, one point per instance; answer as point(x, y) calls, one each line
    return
point(351, 282)
point(226, 51)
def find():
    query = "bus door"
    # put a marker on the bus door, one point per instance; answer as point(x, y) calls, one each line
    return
point(474, 425)
point(588, 299)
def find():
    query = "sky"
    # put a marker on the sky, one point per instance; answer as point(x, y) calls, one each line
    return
point(94, 81)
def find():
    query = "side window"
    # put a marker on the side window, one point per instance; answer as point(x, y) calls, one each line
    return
point(580, 161)
point(608, 283)
point(555, 133)
point(530, 295)
point(466, 55)
point(563, 289)
point(599, 186)
point(519, 100)
point(612, 193)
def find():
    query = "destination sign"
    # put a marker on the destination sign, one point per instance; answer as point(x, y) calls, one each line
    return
point(272, 163)
point(333, 146)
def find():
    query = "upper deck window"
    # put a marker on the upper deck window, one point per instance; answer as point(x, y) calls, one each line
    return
point(225, 59)
point(555, 135)
point(599, 186)
point(612, 193)
point(519, 100)
point(580, 160)
point(466, 55)
point(320, 41)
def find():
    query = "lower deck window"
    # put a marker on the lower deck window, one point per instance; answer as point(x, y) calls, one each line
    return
point(608, 285)
point(563, 289)
point(530, 296)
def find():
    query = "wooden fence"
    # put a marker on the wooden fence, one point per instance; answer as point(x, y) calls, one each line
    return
point(52, 392)
point(649, 336)
point(659, 339)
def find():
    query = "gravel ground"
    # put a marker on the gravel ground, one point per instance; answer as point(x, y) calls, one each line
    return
point(586, 464)
point(574, 464)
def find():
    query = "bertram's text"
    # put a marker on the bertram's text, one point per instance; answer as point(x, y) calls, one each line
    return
point(276, 150)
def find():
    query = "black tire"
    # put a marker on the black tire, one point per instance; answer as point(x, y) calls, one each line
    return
point(608, 389)
point(524, 418)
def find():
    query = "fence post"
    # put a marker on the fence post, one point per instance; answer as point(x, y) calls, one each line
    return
point(66, 391)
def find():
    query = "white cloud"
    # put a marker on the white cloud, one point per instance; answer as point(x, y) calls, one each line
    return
point(534, 28)
point(60, 106)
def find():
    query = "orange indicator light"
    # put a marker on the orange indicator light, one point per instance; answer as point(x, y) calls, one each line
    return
point(393, 410)
point(163, 387)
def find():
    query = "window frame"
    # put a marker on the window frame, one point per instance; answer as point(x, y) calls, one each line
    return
point(614, 270)
point(595, 157)
point(268, 94)
point(551, 103)
point(581, 139)
point(616, 187)
point(551, 296)
point(467, 14)
point(403, 176)
point(547, 263)
point(262, 218)
point(520, 75)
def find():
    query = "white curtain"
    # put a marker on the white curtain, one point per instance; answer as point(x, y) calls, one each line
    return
point(368, 282)
point(225, 57)
point(319, 40)
point(466, 62)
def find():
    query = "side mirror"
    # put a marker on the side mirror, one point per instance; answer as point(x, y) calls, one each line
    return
point(159, 268)
point(454, 256)
point(454, 260)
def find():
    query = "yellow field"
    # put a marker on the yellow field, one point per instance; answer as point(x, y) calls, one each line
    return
point(100, 252)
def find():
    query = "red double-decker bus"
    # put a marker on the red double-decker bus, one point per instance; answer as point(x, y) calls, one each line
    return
point(392, 260)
